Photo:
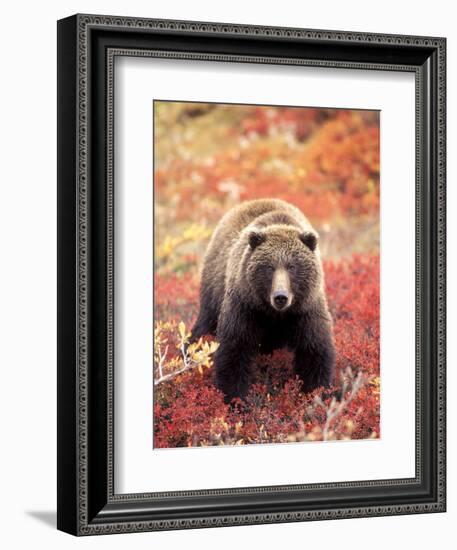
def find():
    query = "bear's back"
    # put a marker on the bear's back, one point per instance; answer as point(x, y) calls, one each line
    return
point(260, 213)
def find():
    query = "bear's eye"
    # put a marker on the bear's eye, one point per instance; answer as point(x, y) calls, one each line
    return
point(291, 267)
point(269, 268)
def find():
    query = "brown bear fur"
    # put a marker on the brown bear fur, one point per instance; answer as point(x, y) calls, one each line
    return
point(257, 245)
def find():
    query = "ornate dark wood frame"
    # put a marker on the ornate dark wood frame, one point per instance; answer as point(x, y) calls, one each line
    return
point(87, 46)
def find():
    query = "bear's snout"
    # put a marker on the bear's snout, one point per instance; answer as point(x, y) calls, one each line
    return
point(281, 294)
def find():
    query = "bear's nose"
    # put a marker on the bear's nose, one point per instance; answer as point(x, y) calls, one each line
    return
point(280, 299)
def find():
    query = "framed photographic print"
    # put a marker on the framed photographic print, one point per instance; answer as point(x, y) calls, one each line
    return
point(251, 274)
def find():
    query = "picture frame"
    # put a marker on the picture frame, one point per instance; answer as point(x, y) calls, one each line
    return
point(87, 501)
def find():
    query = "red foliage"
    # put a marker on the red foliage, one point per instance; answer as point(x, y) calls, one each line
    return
point(301, 122)
point(190, 411)
point(173, 294)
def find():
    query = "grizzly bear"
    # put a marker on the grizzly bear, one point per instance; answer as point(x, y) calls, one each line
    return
point(262, 288)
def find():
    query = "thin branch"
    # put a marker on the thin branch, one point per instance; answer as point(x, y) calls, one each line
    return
point(188, 362)
point(336, 408)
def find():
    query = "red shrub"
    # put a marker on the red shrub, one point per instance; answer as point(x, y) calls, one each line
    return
point(189, 411)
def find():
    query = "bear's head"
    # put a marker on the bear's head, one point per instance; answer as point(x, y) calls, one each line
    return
point(283, 267)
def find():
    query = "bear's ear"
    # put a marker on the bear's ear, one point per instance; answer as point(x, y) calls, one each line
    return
point(310, 240)
point(256, 238)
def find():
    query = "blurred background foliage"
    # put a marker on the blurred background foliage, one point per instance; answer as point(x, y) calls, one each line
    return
point(209, 157)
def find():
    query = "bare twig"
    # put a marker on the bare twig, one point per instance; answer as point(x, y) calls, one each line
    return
point(336, 408)
point(196, 355)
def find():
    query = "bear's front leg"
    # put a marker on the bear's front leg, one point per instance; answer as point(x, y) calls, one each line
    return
point(233, 369)
point(314, 366)
point(315, 356)
point(238, 346)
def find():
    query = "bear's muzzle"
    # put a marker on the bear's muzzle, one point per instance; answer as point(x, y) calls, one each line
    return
point(281, 294)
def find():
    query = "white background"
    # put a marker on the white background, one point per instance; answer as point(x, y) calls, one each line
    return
point(138, 468)
point(28, 280)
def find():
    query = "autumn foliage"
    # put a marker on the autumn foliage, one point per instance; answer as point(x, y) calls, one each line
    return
point(207, 159)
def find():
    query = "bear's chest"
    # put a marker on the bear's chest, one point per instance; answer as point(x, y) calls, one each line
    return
point(277, 332)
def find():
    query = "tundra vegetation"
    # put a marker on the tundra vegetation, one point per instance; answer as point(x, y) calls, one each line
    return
point(207, 159)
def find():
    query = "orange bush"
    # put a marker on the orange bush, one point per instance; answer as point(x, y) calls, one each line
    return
point(335, 172)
